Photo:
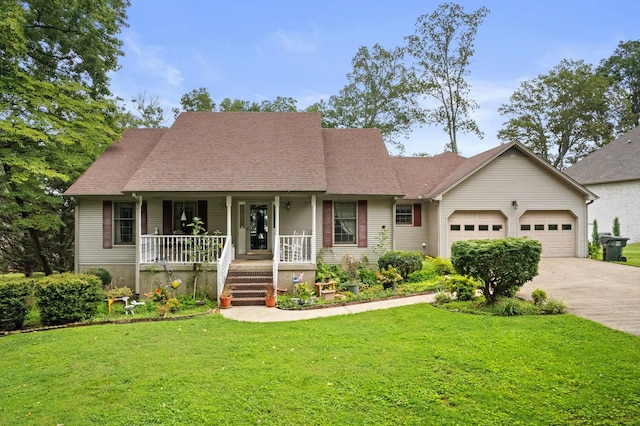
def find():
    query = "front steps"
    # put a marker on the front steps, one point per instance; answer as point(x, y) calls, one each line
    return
point(247, 281)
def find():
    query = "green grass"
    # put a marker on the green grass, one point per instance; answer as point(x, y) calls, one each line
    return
point(632, 253)
point(410, 365)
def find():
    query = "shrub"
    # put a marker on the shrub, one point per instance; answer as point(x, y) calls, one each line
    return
point(539, 296)
point(463, 287)
point(68, 298)
point(117, 292)
point(441, 298)
point(554, 307)
point(420, 276)
point(501, 265)
point(616, 227)
point(13, 303)
point(366, 276)
point(509, 307)
point(405, 262)
point(101, 273)
point(442, 266)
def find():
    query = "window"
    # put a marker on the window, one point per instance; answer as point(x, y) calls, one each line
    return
point(344, 223)
point(525, 227)
point(483, 227)
point(455, 227)
point(538, 227)
point(553, 227)
point(124, 222)
point(469, 227)
point(566, 227)
point(496, 227)
point(183, 213)
point(404, 214)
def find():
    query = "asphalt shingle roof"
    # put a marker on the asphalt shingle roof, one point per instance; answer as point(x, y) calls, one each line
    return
point(619, 160)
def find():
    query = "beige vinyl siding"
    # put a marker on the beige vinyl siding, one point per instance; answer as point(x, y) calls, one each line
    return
point(379, 214)
point(409, 237)
point(89, 244)
point(154, 215)
point(513, 177)
point(433, 209)
point(297, 218)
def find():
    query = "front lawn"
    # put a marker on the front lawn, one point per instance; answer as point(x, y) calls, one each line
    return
point(632, 253)
point(409, 365)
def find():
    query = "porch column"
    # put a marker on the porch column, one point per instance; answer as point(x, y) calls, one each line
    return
point(138, 233)
point(276, 217)
point(228, 216)
point(313, 228)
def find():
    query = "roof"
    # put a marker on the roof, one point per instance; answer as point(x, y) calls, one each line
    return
point(616, 161)
point(356, 164)
point(419, 175)
point(243, 151)
point(112, 170)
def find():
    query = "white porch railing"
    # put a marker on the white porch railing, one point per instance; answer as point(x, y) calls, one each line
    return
point(294, 248)
point(181, 248)
point(224, 261)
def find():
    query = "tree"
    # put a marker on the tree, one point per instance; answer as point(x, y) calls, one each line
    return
point(55, 115)
point(564, 115)
point(616, 227)
point(624, 67)
point(196, 100)
point(148, 112)
point(377, 96)
point(442, 47)
point(279, 104)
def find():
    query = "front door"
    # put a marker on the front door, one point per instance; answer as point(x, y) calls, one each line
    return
point(259, 228)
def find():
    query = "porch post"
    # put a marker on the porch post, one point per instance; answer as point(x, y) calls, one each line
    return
point(228, 215)
point(276, 217)
point(138, 234)
point(313, 228)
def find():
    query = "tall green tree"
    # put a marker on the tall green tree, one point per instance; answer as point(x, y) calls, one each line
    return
point(196, 100)
point(377, 95)
point(624, 68)
point(56, 115)
point(442, 47)
point(564, 115)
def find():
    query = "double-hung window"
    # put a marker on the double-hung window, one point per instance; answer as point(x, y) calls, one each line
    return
point(345, 223)
point(404, 214)
point(124, 223)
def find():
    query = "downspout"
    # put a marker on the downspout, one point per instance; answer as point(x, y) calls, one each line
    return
point(76, 244)
point(393, 223)
point(313, 230)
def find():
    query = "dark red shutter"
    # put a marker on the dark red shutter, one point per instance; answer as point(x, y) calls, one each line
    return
point(167, 217)
point(143, 218)
point(107, 224)
point(327, 223)
point(362, 223)
point(202, 213)
point(417, 215)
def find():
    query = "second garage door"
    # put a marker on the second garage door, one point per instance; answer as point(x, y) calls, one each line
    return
point(556, 231)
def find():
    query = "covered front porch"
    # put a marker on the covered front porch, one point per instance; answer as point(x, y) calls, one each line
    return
point(234, 227)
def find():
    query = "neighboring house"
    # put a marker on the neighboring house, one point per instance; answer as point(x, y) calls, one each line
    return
point(613, 173)
point(277, 186)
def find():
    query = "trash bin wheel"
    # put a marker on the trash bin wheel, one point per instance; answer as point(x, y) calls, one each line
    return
point(622, 259)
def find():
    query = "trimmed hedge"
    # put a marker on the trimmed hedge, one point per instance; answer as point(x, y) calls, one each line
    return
point(103, 274)
point(13, 303)
point(501, 265)
point(405, 262)
point(67, 298)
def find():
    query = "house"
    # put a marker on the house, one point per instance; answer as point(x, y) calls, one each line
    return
point(278, 187)
point(613, 172)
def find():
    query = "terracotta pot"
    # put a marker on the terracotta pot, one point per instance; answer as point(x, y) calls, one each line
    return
point(225, 302)
point(270, 301)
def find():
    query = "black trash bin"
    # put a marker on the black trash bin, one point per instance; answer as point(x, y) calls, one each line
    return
point(612, 248)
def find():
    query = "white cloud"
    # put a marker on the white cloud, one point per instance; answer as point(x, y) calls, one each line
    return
point(294, 41)
point(149, 62)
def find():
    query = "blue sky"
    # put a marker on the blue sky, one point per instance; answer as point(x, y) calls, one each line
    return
point(256, 50)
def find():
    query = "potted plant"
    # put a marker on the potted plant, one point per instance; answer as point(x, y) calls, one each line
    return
point(225, 297)
point(388, 278)
point(350, 266)
point(270, 297)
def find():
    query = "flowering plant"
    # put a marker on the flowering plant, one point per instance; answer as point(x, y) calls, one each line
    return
point(388, 277)
point(160, 295)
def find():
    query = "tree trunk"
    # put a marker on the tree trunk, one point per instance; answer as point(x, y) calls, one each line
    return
point(35, 238)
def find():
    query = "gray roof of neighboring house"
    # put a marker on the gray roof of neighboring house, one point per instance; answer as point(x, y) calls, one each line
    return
point(616, 161)
point(238, 152)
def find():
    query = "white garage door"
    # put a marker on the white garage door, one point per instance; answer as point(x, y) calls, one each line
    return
point(476, 225)
point(556, 231)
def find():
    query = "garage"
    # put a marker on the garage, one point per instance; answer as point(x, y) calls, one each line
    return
point(556, 231)
point(476, 225)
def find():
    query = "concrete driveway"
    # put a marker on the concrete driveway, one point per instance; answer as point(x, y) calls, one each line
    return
point(604, 292)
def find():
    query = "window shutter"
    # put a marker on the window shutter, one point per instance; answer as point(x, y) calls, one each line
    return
point(417, 215)
point(107, 224)
point(167, 217)
point(327, 223)
point(362, 223)
point(202, 213)
point(143, 218)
